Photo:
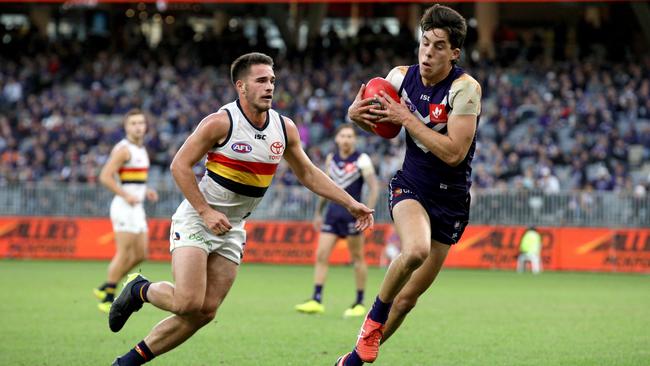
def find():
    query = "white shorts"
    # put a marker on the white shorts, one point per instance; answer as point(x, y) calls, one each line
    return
point(189, 230)
point(127, 218)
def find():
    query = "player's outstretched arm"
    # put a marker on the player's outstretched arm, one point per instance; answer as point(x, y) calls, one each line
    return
point(320, 204)
point(213, 129)
point(152, 195)
point(370, 178)
point(318, 182)
point(118, 157)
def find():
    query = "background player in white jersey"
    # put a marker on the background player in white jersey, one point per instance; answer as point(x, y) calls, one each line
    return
point(349, 169)
point(429, 196)
point(125, 174)
point(244, 142)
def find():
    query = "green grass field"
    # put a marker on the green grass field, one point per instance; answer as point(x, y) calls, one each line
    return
point(48, 317)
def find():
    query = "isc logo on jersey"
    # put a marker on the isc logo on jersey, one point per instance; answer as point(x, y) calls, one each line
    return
point(241, 147)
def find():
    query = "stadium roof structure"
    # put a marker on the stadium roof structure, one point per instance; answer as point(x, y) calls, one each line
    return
point(95, 2)
point(286, 14)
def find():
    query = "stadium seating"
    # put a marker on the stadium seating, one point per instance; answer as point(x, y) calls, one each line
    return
point(584, 124)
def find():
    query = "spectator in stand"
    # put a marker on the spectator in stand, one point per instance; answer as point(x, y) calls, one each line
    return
point(548, 182)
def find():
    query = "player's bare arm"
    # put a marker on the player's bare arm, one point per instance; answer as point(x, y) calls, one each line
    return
point(359, 111)
point(110, 170)
point(318, 182)
point(370, 178)
point(461, 124)
point(320, 205)
point(213, 129)
point(152, 195)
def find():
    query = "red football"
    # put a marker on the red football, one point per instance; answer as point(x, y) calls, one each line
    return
point(386, 130)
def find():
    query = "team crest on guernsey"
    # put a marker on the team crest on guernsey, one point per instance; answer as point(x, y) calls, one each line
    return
point(277, 148)
point(437, 113)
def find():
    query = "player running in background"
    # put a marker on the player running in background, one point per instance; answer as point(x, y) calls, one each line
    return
point(244, 142)
point(349, 169)
point(130, 162)
point(429, 196)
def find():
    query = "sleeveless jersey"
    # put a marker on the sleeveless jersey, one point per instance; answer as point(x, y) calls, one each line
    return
point(348, 174)
point(432, 105)
point(133, 174)
point(246, 161)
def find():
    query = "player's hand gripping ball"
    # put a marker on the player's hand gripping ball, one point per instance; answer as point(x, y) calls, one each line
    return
point(386, 130)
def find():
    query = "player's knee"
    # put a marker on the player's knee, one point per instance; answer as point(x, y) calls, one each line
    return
point(199, 318)
point(403, 305)
point(358, 259)
point(415, 256)
point(204, 316)
point(322, 257)
point(188, 306)
point(139, 257)
point(134, 261)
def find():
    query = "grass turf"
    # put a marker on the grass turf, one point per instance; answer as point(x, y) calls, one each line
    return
point(49, 317)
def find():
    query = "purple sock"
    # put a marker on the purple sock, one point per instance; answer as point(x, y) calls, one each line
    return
point(318, 293)
point(379, 311)
point(353, 359)
point(359, 297)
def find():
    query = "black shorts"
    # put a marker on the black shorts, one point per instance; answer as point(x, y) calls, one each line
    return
point(448, 208)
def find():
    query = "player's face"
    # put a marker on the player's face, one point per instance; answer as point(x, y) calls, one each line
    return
point(435, 54)
point(135, 126)
point(346, 140)
point(258, 87)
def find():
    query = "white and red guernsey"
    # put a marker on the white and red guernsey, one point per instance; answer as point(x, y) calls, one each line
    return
point(247, 160)
point(133, 174)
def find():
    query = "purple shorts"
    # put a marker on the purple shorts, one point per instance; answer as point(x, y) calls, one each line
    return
point(339, 223)
point(448, 209)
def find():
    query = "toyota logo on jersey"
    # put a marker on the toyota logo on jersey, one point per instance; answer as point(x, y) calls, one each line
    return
point(277, 148)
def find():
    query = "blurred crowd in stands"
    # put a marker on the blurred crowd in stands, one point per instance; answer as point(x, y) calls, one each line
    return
point(579, 125)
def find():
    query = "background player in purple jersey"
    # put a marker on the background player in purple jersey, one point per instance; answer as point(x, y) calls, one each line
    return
point(429, 196)
point(349, 169)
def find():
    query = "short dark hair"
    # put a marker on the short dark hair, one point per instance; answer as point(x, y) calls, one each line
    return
point(243, 64)
point(343, 126)
point(133, 112)
point(444, 17)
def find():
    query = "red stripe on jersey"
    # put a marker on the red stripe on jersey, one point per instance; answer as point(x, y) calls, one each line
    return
point(133, 170)
point(243, 166)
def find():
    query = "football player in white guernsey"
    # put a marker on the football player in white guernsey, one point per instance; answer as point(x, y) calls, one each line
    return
point(207, 235)
point(350, 170)
point(125, 174)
